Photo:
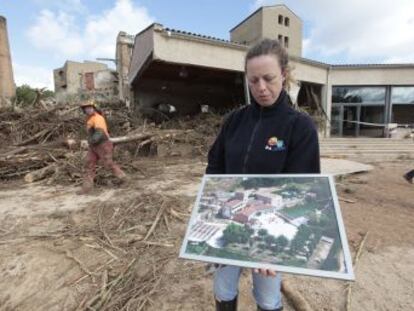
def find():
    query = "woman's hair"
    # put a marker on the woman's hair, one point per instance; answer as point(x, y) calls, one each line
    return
point(272, 47)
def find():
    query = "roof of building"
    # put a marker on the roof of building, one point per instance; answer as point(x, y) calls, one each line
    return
point(253, 208)
point(348, 66)
point(192, 35)
point(233, 203)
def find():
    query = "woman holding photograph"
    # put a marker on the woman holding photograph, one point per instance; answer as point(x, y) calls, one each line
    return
point(266, 137)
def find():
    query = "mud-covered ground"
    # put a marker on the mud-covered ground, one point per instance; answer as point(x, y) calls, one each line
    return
point(53, 257)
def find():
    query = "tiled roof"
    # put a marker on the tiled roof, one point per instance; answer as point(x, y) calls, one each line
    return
point(373, 65)
point(200, 36)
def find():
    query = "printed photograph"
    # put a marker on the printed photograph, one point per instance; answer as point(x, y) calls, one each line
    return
point(288, 223)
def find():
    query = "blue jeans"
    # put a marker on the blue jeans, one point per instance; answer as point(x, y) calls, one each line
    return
point(266, 289)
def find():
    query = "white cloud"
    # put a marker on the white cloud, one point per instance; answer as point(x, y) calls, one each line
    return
point(34, 76)
point(57, 33)
point(86, 36)
point(65, 5)
point(355, 31)
point(258, 3)
point(101, 30)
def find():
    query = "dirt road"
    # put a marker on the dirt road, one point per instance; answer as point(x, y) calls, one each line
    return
point(59, 251)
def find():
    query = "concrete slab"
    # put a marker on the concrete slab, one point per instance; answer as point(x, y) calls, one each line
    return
point(343, 167)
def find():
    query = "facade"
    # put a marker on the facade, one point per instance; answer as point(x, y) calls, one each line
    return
point(91, 78)
point(189, 70)
point(274, 22)
point(7, 86)
point(186, 71)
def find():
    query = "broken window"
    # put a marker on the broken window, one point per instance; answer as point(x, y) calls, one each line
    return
point(280, 38)
point(287, 21)
point(280, 20)
point(358, 110)
point(402, 99)
point(357, 94)
point(286, 42)
point(89, 81)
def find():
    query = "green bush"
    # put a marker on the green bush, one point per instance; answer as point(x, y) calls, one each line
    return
point(26, 95)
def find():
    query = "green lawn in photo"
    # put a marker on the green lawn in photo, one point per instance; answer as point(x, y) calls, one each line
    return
point(298, 211)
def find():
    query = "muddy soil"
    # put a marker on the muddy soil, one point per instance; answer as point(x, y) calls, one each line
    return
point(38, 270)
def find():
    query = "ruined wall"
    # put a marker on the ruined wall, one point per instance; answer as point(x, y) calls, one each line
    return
point(106, 83)
point(70, 79)
point(7, 86)
point(124, 47)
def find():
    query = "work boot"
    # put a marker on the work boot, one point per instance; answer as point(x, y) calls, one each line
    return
point(408, 178)
point(260, 309)
point(226, 305)
point(87, 187)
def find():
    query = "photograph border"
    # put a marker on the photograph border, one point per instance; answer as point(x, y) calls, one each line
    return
point(348, 275)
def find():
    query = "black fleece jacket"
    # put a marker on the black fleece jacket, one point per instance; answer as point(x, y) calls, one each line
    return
point(266, 140)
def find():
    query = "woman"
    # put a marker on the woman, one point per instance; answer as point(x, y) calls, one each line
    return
point(266, 137)
point(100, 147)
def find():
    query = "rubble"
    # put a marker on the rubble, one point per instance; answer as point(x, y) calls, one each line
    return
point(46, 143)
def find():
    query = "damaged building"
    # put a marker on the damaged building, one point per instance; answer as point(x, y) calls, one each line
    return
point(186, 71)
point(90, 78)
point(123, 55)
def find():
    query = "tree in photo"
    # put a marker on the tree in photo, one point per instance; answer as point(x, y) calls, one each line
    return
point(281, 242)
point(235, 234)
point(262, 232)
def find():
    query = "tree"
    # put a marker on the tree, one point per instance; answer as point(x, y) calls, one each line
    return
point(270, 239)
point(27, 95)
point(281, 242)
point(300, 239)
point(235, 234)
point(262, 232)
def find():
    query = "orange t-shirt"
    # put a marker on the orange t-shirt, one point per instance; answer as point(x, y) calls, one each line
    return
point(97, 121)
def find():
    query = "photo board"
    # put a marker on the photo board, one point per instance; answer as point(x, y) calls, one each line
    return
point(286, 223)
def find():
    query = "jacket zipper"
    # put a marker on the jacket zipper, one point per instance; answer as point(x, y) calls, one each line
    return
point(249, 147)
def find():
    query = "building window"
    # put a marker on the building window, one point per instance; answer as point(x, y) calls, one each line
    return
point(356, 110)
point(286, 42)
point(402, 95)
point(370, 95)
point(287, 21)
point(402, 99)
point(280, 39)
point(280, 19)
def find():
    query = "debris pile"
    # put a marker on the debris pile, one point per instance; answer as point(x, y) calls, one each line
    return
point(137, 236)
point(46, 142)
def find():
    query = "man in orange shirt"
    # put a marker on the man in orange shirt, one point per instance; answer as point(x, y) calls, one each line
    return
point(100, 147)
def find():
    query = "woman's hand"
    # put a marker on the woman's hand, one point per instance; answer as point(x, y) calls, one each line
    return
point(265, 272)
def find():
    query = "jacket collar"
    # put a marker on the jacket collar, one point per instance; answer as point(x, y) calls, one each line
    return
point(281, 104)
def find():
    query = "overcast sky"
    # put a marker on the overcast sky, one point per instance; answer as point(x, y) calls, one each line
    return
point(44, 34)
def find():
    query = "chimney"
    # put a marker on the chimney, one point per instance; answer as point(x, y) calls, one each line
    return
point(7, 86)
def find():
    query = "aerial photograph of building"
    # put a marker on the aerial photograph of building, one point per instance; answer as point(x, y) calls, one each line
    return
point(290, 223)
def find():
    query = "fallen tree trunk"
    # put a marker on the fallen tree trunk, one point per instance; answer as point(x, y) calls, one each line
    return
point(298, 302)
point(40, 173)
point(126, 139)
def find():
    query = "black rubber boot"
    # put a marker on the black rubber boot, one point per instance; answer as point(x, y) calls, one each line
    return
point(409, 176)
point(226, 305)
point(278, 309)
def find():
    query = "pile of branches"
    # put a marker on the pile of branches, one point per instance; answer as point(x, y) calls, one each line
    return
point(138, 235)
point(46, 142)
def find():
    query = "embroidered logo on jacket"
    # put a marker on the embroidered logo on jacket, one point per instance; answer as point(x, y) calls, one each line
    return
point(274, 144)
